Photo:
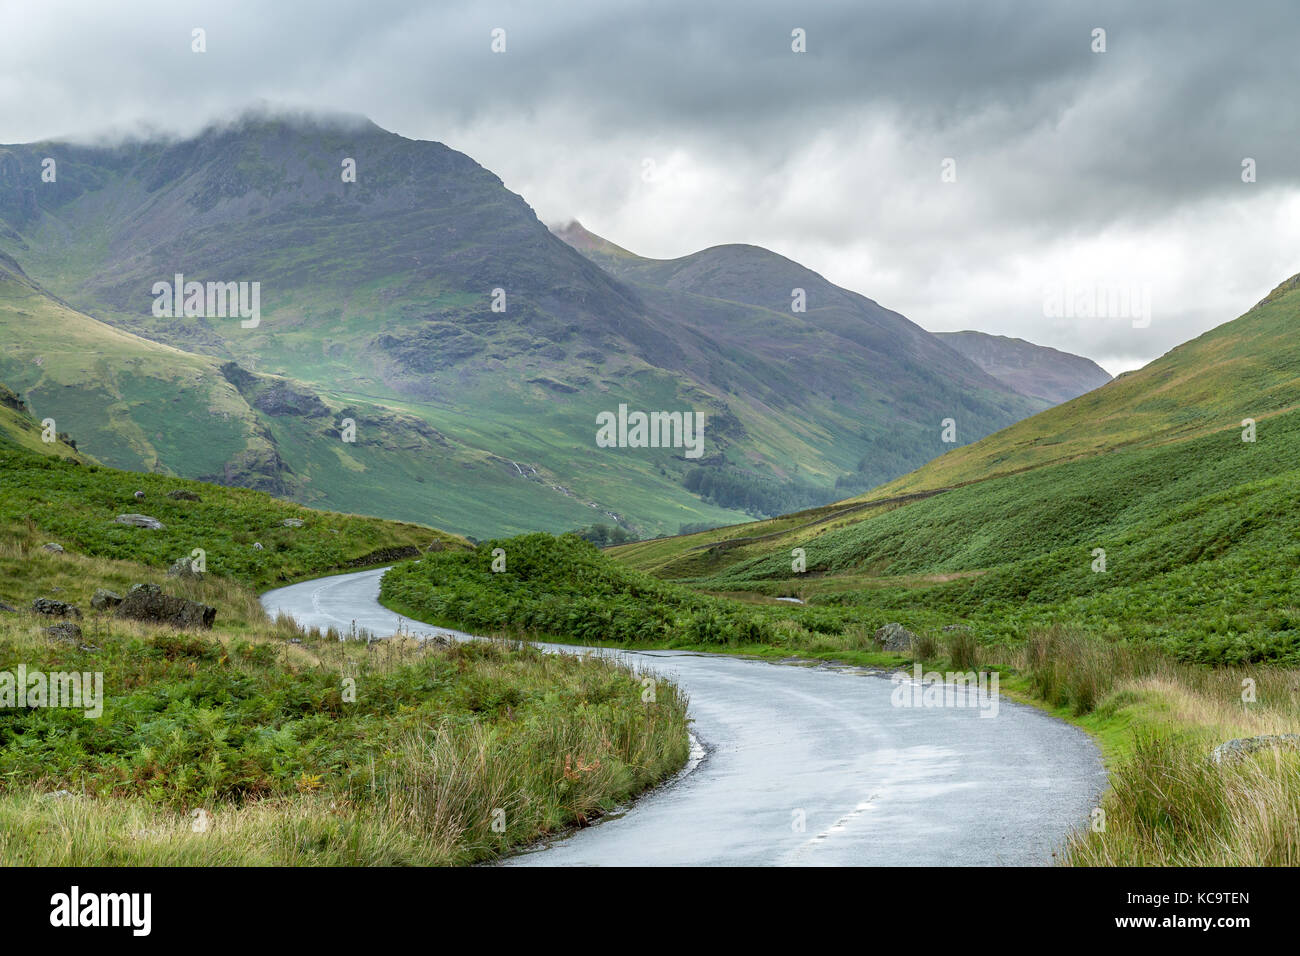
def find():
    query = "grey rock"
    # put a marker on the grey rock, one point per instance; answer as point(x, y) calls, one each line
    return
point(139, 495)
point(1239, 747)
point(257, 546)
point(292, 522)
point(58, 795)
point(104, 599)
point(52, 547)
point(894, 637)
point(180, 494)
point(956, 627)
point(52, 608)
point(140, 521)
point(285, 400)
point(147, 602)
point(65, 631)
point(184, 568)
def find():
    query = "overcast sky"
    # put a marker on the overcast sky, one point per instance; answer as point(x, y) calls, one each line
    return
point(675, 125)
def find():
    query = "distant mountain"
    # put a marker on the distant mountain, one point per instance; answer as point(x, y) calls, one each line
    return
point(880, 380)
point(426, 289)
point(1033, 370)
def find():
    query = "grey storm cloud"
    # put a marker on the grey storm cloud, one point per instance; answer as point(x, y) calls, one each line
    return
point(1120, 166)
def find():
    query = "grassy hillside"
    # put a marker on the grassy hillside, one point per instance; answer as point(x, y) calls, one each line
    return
point(256, 743)
point(1247, 368)
point(560, 587)
point(20, 430)
point(1199, 527)
point(49, 499)
point(1200, 541)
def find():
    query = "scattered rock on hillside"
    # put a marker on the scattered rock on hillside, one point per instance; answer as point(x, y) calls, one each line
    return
point(104, 599)
point(146, 602)
point(53, 608)
point(64, 631)
point(139, 495)
point(956, 627)
point(8, 607)
point(184, 568)
point(894, 637)
point(257, 546)
point(180, 494)
point(140, 521)
point(292, 522)
point(52, 547)
point(285, 400)
point(1241, 746)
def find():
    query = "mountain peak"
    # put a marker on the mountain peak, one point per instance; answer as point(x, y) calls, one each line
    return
point(264, 117)
point(582, 239)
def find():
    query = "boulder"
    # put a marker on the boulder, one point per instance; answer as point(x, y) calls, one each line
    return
point(292, 522)
point(257, 546)
point(64, 631)
point(104, 599)
point(894, 637)
point(52, 547)
point(52, 608)
point(146, 602)
point(180, 494)
point(140, 521)
point(139, 495)
point(1239, 747)
point(184, 568)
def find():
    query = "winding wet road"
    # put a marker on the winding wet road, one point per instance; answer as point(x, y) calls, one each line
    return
point(808, 765)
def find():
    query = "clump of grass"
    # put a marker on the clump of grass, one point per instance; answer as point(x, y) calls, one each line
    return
point(924, 647)
point(855, 637)
point(1067, 668)
point(963, 650)
point(1170, 805)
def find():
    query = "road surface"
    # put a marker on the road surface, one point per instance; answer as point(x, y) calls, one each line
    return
point(808, 765)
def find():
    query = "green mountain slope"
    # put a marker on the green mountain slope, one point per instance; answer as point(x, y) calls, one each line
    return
point(381, 291)
point(18, 429)
point(47, 498)
point(1199, 527)
point(136, 404)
